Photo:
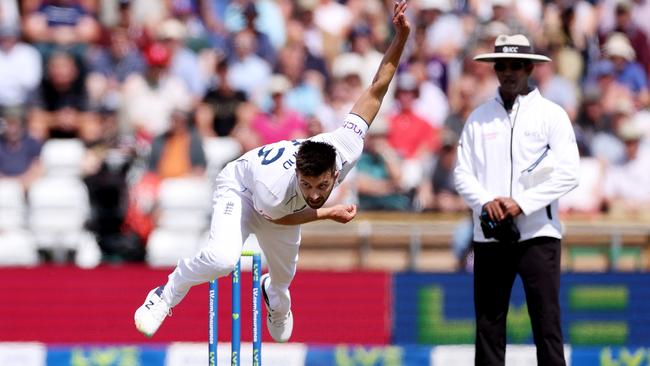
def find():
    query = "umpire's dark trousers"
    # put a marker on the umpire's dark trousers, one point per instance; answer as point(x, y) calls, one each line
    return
point(537, 261)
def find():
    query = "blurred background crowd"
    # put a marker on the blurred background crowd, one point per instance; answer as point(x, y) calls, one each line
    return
point(114, 111)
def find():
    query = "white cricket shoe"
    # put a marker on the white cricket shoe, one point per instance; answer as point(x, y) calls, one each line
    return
point(151, 314)
point(279, 325)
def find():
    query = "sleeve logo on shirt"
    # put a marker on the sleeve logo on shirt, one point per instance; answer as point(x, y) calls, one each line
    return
point(490, 135)
point(229, 207)
point(353, 126)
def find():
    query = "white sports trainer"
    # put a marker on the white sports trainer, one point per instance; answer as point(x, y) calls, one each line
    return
point(152, 313)
point(279, 325)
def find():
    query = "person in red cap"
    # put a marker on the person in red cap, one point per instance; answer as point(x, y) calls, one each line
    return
point(149, 99)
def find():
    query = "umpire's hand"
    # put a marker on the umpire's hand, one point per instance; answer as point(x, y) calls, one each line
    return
point(502, 207)
point(510, 207)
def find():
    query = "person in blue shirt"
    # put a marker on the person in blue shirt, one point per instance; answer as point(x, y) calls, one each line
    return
point(19, 152)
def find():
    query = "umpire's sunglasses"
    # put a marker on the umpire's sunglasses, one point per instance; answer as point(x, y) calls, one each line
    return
point(512, 65)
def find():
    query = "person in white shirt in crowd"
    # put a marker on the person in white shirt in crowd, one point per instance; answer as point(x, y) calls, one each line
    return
point(10, 13)
point(271, 191)
point(556, 88)
point(20, 67)
point(334, 18)
point(627, 185)
point(148, 100)
point(444, 33)
point(517, 156)
point(248, 72)
point(184, 63)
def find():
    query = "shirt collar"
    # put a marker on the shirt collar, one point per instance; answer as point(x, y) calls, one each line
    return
point(521, 99)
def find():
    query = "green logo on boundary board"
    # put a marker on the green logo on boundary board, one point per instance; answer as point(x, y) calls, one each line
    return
point(435, 328)
point(109, 356)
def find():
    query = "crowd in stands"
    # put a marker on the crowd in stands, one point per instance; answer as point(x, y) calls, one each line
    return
point(161, 89)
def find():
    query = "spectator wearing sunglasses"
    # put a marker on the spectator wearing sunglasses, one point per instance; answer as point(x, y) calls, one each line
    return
point(516, 157)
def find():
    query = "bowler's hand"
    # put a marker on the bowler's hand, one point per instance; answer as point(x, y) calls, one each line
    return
point(341, 213)
point(400, 21)
point(510, 207)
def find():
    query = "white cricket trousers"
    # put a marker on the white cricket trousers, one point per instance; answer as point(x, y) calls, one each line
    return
point(233, 219)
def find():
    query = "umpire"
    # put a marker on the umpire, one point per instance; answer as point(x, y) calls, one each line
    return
point(516, 157)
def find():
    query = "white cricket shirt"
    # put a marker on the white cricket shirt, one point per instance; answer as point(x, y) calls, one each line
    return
point(267, 174)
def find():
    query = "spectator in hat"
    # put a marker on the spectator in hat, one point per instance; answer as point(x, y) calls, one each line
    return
point(627, 186)
point(627, 71)
point(149, 99)
point(638, 39)
point(348, 68)
point(619, 71)
point(444, 32)
point(20, 67)
point(183, 63)
point(280, 122)
point(19, 152)
point(353, 67)
point(339, 97)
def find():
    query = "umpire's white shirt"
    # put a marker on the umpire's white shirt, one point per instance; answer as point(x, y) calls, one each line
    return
point(529, 154)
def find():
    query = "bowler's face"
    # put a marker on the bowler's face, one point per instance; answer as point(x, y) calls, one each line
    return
point(513, 75)
point(316, 190)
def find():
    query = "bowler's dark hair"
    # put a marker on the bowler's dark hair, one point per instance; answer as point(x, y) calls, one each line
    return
point(315, 158)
